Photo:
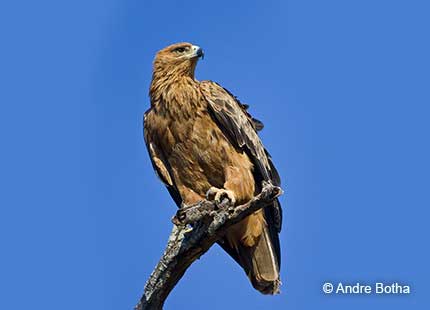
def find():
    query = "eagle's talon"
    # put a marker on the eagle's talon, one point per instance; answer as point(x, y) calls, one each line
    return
point(225, 194)
point(219, 194)
point(210, 194)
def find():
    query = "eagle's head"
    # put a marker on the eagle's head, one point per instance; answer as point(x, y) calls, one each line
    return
point(179, 59)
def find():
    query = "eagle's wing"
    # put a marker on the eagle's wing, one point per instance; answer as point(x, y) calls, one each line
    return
point(257, 124)
point(234, 119)
point(239, 126)
point(160, 164)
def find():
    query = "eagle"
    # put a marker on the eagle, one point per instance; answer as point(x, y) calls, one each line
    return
point(204, 144)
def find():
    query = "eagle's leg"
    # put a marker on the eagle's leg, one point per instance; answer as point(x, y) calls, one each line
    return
point(219, 194)
point(240, 180)
point(189, 197)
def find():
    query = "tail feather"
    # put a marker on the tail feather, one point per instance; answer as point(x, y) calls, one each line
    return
point(259, 257)
point(261, 265)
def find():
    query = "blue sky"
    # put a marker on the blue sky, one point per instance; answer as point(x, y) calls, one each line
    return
point(342, 87)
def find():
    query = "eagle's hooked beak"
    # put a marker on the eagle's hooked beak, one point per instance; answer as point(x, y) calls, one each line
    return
point(197, 52)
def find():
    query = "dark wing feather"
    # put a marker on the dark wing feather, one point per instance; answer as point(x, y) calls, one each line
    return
point(234, 119)
point(241, 128)
point(257, 124)
point(160, 164)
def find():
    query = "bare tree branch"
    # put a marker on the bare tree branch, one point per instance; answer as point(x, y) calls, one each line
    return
point(209, 223)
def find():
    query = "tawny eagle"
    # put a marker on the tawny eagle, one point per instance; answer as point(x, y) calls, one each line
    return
point(203, 143)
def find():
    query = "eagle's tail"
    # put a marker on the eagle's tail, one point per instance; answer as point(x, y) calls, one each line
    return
point(260, 258)
point(261, 264)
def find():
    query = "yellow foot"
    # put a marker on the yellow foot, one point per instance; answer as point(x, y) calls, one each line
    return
point(219, 194)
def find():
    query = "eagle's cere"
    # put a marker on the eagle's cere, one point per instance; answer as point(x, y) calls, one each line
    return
point(204, 144)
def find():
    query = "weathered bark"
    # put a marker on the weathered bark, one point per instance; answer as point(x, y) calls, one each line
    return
point(196, 228)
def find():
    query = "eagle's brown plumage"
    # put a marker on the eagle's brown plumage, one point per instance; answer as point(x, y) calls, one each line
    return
point(204, 144)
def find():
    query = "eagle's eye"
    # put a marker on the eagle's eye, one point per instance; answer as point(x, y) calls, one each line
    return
point(179, 50)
